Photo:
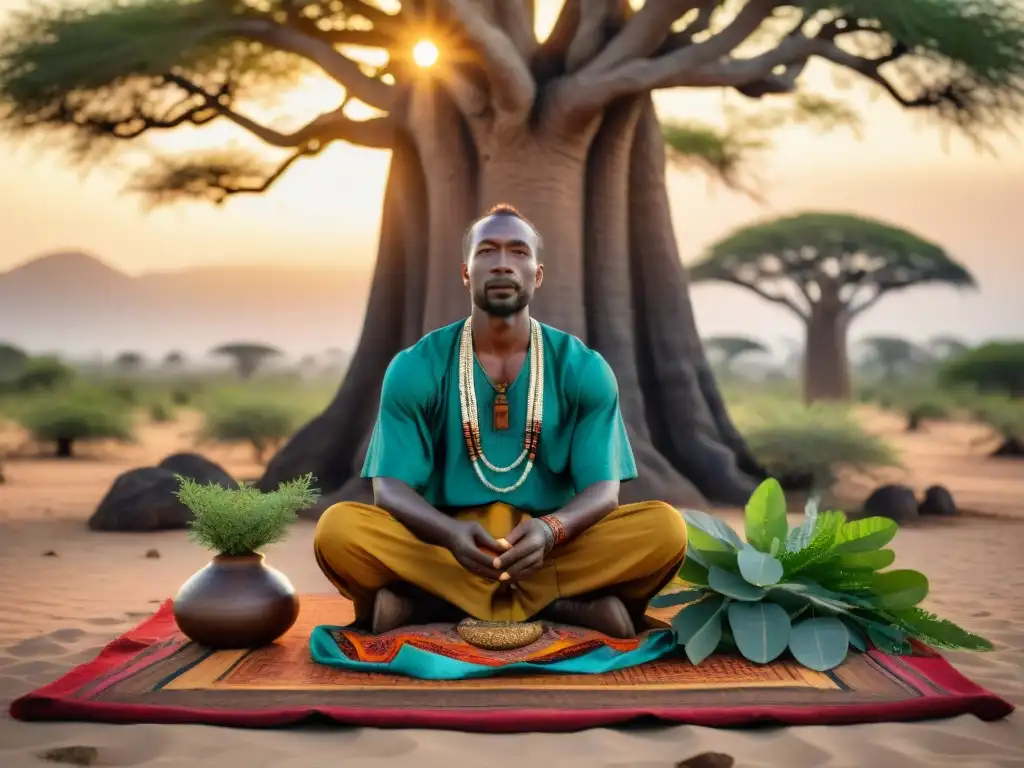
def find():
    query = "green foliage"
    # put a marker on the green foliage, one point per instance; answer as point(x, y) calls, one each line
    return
point(160, 412)
point(43, 374)
point(13, 362)
point(791, 440)
point(816, 590)
point(805, 246)
point(261, 423)
point(1004, 416)
point(243, 520)
point(75, 417)
point(993, 368)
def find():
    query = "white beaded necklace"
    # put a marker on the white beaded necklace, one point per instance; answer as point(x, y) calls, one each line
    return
point(471, 416)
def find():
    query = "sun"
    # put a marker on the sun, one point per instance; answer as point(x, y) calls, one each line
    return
point(425, 54)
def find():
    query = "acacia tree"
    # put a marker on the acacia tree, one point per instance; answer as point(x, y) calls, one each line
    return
point(247, 357)
point(827, 269)
point(893, 355)
point(730, 348)
point(564, 129)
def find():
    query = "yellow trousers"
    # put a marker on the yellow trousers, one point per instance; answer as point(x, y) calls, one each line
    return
point(632, 553)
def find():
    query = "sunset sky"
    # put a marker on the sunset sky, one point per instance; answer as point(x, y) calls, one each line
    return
point(326, 210)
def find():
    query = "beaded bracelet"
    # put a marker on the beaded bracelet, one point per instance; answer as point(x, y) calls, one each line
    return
point(557, 529)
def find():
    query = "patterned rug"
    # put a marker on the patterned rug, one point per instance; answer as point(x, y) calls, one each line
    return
point(438, 652)
point(152, 674)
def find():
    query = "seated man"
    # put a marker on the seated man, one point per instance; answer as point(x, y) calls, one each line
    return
point(496, 460)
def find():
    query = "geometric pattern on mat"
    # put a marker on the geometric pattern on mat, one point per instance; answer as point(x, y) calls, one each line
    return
point(153, 674)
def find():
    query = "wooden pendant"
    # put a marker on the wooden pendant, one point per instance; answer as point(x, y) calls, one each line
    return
point(500, 410)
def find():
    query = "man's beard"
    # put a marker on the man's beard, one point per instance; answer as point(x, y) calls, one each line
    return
point(506, 306)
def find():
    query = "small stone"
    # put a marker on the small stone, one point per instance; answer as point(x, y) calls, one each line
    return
point(76, 755)
point(153, 554)
point(938, 502)
point(707, 760)
point(896, 502)
point(49, 553)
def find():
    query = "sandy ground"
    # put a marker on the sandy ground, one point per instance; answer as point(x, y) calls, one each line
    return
point(57, 612)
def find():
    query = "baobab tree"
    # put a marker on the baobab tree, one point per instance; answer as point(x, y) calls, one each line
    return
point(731, 348)
point(247, 357)
point(827, 269)
point(564, 129)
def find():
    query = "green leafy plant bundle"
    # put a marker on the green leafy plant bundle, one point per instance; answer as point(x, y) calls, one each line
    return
point(816, 590)
point(243, 520)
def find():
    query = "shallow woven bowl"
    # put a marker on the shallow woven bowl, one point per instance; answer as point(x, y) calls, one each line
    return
point(499, 635)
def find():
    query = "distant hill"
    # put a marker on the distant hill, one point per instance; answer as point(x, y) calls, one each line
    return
point(75, 304)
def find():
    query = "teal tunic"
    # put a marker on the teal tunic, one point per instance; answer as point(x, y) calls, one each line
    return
point(418, 437)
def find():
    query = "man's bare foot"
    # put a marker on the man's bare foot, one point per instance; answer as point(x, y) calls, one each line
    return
point(405, 606)
point(606, 614)
point(390, 611)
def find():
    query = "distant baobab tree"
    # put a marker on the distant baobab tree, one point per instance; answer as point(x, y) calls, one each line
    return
point(129, 362)
point(247, 357)
point(827, 269)
point(174, 359)
point(893, 355)
point(946, 347)
point(731, 348)
point(563, 128)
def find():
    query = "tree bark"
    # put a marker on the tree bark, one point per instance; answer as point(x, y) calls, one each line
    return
point(612, 277)
point(826, 368)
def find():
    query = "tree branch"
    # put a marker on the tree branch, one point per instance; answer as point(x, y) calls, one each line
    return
point(341, 68)
point(590, 91)
point(517, 19)
point(853, 310)
point(783, 301)
point(331, 126)
point(595, 17)
point(550, 59)
point(510, 78)
point(642, 35)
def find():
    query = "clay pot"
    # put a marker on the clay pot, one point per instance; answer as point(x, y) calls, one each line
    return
point(236, 602)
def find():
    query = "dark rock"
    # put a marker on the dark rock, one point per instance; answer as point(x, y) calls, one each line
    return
point(76, 755)
point(49, 553)
point(153, 554)
point(897, 502)
point(1011, 448)
point(937, 501)
point(198, 468)
point(707, 760)
point(141, 500)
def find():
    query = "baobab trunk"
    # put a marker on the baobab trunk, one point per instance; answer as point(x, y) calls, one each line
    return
point(826, 368)
point(612, 278)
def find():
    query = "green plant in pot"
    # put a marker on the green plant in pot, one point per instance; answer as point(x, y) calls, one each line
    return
point(237, 601)
point(815, 591)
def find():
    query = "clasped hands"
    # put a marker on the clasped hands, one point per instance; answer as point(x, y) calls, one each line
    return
point(510, 559)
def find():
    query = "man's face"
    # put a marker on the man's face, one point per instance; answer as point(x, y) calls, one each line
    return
point(501, 270)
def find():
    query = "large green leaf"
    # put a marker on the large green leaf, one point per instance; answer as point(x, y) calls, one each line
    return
point(817, 597)
point(733, 585)
point(875, 560)
point(938, 633)
point(705, 640)
point(758, 568)
point(765, 515)
point(821, 546)
point(865, 535)
point(887, 638)
point(705, 542)
point(760, 630)
point(820, 643)
point(693, 571)
point(857, 638)
point(694, 616)
point(899, 589)
point(681, 597)
point(712, 526)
